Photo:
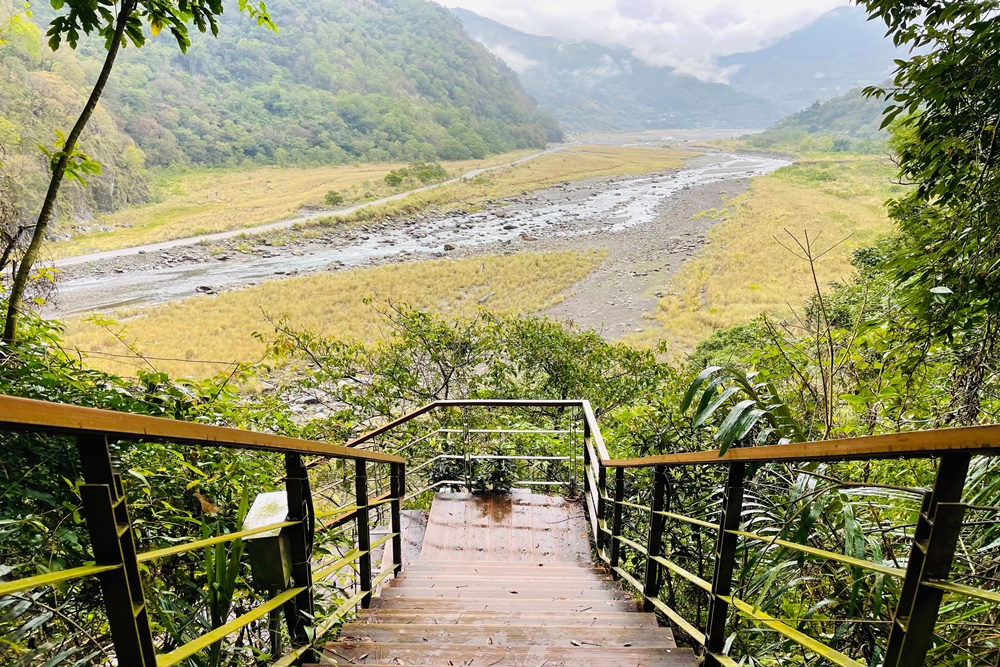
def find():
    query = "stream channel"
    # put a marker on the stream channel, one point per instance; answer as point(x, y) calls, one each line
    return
point(605, 206)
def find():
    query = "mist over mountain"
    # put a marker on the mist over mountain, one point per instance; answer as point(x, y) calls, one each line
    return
point(590, 87)
point(593, 87)
point(839, 51)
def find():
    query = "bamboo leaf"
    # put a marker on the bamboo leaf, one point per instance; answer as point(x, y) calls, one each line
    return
point(696, 385)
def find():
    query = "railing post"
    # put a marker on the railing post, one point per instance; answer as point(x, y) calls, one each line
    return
point(573, 459)
point(935, 539)
point(725, 563)
point(654, 543)
point(398, 491)
point(602, 506)
point(299, 612)
point(364, 532)
point(467, 450)
point(616, 522)
point(588, 492)
point(113, 541)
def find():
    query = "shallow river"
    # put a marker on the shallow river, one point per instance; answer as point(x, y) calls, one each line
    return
point(594, 207)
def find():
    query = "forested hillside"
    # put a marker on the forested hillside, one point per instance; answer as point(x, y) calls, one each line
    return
point(40, 93)
point(341, 80)
point(590, 87)
point(848, 122)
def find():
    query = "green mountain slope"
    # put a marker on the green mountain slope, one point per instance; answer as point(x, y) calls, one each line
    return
point(342, 80)
point(590, 87)
point(849, 115)
point(849, 122)
point(40, 94)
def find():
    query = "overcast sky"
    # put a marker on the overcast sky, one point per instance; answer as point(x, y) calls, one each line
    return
point(687, 34)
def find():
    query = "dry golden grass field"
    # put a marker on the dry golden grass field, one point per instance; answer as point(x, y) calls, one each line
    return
point(206, 202)
point(744, 271)
point(220, 328)
point(209, 202)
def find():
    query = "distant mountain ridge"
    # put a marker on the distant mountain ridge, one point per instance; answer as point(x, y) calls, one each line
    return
point(591, 87)
point(594, 88)
point(838, 51)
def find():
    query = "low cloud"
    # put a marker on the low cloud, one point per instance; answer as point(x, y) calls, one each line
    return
point(517, 61)
point(678, 33)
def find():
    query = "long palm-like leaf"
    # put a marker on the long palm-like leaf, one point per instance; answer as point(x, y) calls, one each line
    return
point(752, 405)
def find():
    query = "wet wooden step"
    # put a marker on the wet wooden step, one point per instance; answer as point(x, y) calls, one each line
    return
point(515, 527)
point(488, 604)
point(409, 575)
point(503, 582)
point(595, 619)
point(505, 593)
point(367, 653)
point(502, 565)
point(502, 635)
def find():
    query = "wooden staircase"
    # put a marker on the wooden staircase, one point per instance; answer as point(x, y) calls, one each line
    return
point(505, 581)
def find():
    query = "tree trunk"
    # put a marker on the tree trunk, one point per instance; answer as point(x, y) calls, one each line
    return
point(58, 172)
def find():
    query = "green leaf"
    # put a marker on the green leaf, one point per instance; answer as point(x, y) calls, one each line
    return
point(731, 427)
point(696, 385)
point(705, 413)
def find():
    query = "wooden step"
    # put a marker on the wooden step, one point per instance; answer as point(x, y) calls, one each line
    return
point(505, 582)
point(487, 566)
point(410, 575)
point(507, 593)
point(488, 604)
point(367, 653)
point(502, 635)
point(611, 619)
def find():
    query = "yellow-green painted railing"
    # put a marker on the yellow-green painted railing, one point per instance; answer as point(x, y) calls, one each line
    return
point(106, 512)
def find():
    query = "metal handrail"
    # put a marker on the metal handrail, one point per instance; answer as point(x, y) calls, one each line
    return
point(113, 541)
point(912, 629)
point(952, 445)
point(95, 428)
point(25, 414)
point(972, 440)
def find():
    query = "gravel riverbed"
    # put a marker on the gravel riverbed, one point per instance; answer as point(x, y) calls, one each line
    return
point(647, 224)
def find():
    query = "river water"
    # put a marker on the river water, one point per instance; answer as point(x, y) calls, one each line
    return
point(589, 208)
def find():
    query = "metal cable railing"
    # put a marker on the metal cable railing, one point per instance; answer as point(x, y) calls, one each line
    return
point(629, 535)
point(922, 583)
